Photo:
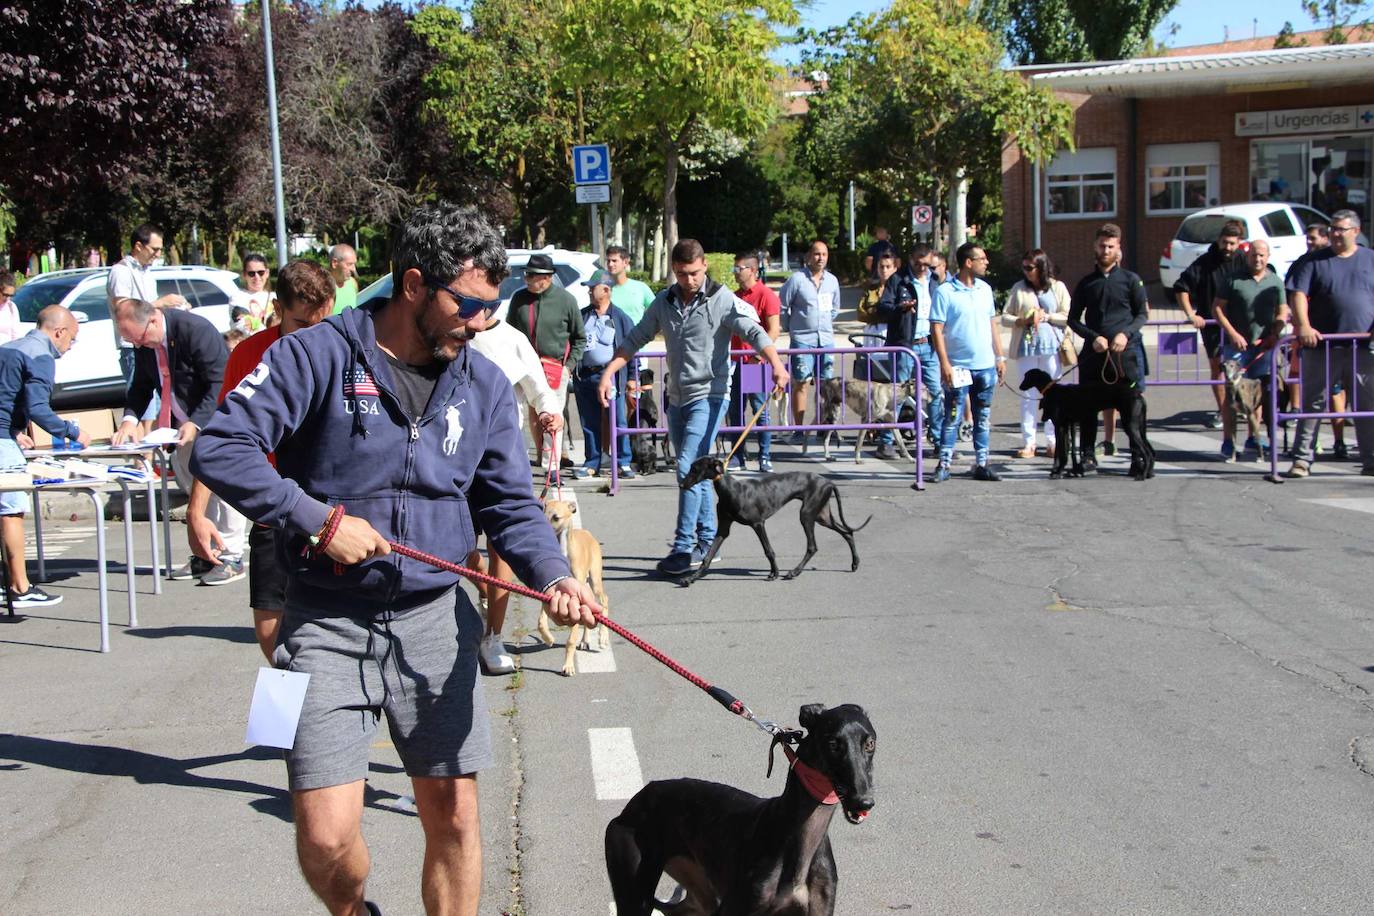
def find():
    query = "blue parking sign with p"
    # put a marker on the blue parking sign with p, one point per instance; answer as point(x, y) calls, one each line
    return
point(591, 164)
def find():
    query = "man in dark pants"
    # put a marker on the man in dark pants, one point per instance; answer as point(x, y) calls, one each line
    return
point(387, 427)
point(180, 356)
point(607, 328)
point(1109, 308)
point(1198, 287)
point(905, 305)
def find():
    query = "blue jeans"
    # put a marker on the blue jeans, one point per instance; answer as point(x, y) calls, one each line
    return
point(930, 381)
point(984, 384)
point(739, 417)
point(589, 412)
point(692, 428)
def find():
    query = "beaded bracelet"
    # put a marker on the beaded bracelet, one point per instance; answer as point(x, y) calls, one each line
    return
point(331, 527)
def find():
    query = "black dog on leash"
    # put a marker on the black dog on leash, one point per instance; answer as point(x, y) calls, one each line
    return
point(735, 854)
point(753, 502)
point(1074, 409)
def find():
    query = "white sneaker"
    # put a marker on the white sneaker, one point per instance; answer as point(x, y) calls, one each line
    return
point(492, 652)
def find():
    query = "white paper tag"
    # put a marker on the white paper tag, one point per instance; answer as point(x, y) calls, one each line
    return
point(825, 300)
point(959, 377)
point(277, 700)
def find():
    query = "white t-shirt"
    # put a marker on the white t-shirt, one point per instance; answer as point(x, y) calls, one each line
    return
point(514, 355)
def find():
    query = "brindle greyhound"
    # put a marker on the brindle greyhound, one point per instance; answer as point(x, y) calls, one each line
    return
point(735, 854)
point(753, 502)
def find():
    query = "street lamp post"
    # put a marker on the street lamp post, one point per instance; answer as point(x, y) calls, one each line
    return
point(276, 136)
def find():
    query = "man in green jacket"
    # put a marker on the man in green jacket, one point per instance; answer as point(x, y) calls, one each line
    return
point(548, 315)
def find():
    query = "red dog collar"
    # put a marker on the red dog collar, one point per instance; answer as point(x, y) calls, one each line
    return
point(816, 783)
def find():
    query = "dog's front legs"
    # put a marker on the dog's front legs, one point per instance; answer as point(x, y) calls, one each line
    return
point(721, 534)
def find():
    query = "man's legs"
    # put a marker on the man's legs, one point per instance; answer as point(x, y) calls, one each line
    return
point(1363, 399)
point(930, 381)
point(1315, 386)
point(451, 880)
point(589, 415)
point(954, 415)
point(622, 421)
point(757, 402)
point(984, 384)
point(693, 428)
point(736, 414)
point(330, 847)
point(12, 531)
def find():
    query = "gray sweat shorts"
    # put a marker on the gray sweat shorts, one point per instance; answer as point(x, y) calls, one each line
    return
point(418, 665)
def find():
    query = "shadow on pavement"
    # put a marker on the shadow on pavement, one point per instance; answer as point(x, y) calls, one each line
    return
point(242, 635)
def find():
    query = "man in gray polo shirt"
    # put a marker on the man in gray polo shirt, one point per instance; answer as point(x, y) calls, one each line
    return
point(697, 316)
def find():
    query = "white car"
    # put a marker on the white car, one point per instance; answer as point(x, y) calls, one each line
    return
point(571, 268)
point(1282, 225)
point(88, 375)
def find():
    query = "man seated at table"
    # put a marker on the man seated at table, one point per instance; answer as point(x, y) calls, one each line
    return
point(27, 368)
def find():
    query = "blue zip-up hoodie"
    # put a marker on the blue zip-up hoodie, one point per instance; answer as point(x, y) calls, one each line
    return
point(322, 400)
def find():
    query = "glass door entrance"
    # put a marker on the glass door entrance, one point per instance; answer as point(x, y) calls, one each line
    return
point(1329, 173)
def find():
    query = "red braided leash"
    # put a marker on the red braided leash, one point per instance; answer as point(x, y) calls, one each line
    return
point(718, 694)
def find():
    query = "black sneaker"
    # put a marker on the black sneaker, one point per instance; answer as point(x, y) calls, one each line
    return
point(983, 472)
point(1108, 448)
point(677, 563)
point(34, 597)
point(372, 908)
point(193, 568)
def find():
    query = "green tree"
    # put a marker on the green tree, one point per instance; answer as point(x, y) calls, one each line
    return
point(910, 138)
point(1341, 21)
point(1056, 31)
point(494, 88)
point(668, 72)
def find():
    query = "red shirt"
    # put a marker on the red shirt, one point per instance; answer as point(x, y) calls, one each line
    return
point(765, 303)
point(244, 359)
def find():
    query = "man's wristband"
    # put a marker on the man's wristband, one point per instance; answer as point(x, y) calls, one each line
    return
point(549, 586)
point(326, 533)
point(1001, 359)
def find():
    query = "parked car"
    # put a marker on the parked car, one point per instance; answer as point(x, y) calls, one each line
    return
point(1282, 225)
point(570, 269)
point(89, 376)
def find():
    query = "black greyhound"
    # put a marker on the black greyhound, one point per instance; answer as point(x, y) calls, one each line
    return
point(735, 854)
point(1075, 408)
point(753, 502)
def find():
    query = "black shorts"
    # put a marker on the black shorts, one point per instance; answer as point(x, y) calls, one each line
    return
point(266, 570)
point(1211, 340)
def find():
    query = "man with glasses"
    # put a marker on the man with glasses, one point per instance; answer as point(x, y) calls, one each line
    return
point(548, 315)
point(968, 343)
point(1332, 292)
point(27, 368)
point(386, 427)
point(132, 279)
point(9, 312)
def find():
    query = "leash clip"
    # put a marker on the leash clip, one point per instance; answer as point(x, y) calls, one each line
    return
point(787, 737)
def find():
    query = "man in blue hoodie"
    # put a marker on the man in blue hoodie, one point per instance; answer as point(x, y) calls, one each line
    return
point(384, 410)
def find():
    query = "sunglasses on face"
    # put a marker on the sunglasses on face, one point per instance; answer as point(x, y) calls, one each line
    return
point(256, 273)
point(468, 306)
point(1028, 267)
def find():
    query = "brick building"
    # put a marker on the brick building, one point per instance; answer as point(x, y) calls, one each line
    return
point(1157, 138)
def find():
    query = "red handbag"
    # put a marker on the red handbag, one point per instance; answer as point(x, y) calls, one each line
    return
point(553, 368)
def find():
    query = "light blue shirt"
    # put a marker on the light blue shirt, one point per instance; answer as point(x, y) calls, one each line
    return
point(600, 340)
point(966, 313)
point(808, 312)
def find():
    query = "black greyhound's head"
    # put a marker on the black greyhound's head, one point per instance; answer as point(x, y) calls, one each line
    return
point(1038, 379)
point(704, 468)
point(840, 743)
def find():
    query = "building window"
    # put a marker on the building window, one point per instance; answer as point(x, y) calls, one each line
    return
point(1081, 184)
point(1180, 177)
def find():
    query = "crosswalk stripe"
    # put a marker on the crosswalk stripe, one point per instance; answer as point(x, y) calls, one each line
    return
point(615, 765)
point(1365, 504)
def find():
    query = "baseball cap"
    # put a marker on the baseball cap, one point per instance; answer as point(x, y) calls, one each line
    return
point(599, 278)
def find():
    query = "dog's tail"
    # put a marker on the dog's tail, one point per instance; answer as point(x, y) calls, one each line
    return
point(839, 511)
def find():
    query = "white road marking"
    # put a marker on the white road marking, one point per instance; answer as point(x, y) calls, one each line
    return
point(1365, 504)
point(595, 662)
point(615, 765)
point(1210, 447)
point(57, 542)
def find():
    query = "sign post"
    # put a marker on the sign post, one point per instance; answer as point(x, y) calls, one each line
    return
point(922, 219)
point(592, 181)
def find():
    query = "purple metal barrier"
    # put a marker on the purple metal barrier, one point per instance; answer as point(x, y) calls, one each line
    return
point(1338, 351)
point(1172, 364)
point(756, 378)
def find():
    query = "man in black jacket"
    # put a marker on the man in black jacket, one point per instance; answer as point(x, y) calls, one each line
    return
point(181, 356)
point(1198, 286)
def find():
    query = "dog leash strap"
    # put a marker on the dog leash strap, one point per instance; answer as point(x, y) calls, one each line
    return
point(740, 441)
point(719, 694)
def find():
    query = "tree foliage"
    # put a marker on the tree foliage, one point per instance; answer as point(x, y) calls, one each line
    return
point(1341, 21)
point(1056, 31)
point(669, 72)
point(907, 138)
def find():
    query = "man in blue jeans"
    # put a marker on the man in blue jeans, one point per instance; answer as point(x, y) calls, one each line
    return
point(905, 304)
point(697, 317)
point(963, 322)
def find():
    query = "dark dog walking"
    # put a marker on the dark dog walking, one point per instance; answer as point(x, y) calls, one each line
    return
point(1074, 408)
point(735, 854)
point(753, 502)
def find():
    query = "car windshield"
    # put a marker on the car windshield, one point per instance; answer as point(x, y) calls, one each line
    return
point(37, 295)
point(1203, 229)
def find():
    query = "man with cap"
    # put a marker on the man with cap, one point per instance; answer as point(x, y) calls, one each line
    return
point(607, 328)
point(548, 315)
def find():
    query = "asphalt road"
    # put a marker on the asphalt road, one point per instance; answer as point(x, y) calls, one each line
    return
point(1091, 696)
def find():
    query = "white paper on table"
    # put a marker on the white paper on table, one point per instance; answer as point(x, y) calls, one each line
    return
point(164, 436)
point(276, 710)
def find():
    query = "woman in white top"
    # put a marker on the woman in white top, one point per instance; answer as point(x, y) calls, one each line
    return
point(514, 355)
point(257, 295)
point(1037, 312)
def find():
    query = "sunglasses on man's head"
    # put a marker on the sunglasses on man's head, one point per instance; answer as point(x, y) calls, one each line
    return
point(468, 306)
